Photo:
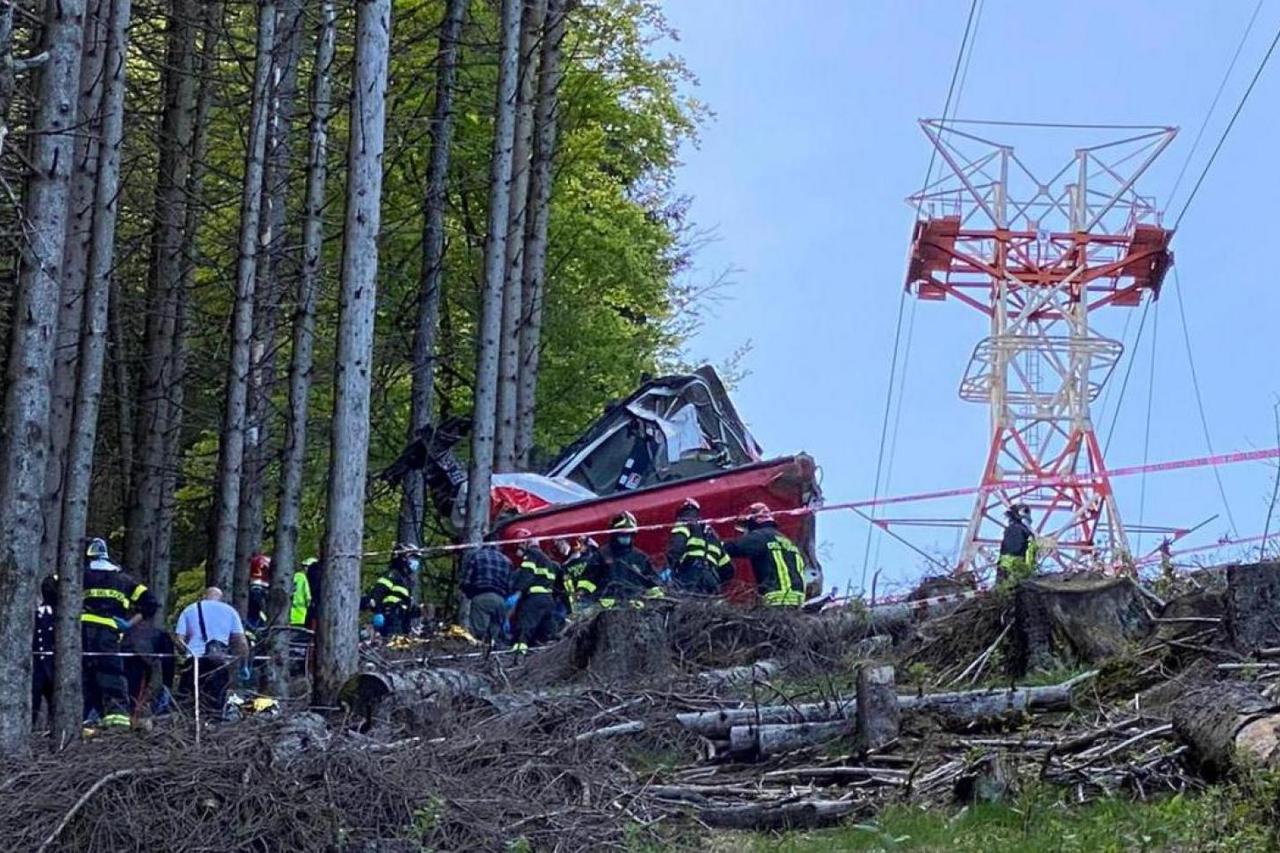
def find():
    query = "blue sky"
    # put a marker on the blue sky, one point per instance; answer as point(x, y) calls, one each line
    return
point(803, 171)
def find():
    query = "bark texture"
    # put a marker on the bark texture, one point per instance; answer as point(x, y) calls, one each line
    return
point(336, 650)
point(480, 474)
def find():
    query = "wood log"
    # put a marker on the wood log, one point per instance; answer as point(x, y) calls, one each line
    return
point(952, 710)
point(959, 709)
point(807, 814)
point(1229, 726)
point(410, 696)
point(299, 733)
point(630, 727)
point(736, 676)
point(876, 711)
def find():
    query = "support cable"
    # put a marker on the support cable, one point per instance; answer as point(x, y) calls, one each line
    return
point(1128, 371)
point(1213, 105)
point(1146, 433)
point(1195, 385)
point(1227, 131)
point(897, 336)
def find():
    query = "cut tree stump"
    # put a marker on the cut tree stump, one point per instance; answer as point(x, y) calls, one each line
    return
point(623, 645)
point(1252, 605)
point(876, 711)
point(1072, 619)
point(1229, 726)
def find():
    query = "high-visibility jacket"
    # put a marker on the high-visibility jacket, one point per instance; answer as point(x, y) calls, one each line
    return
point(301, 602)
point(697, 559)
point(539, 574)
point(576, 579)
point(390, 592)
point(113, 594)
point(776, 561)
point(621, 572)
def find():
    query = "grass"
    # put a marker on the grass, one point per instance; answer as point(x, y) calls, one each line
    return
point(1220, 819)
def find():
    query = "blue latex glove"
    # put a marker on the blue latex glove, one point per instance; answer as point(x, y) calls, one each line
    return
point(379, 620)
point(414, 565)
point(246, 672)
point(512, 601)
point(123, 624)
point(665, 576)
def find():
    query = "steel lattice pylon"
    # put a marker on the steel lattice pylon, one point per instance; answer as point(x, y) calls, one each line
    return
point(1039, 257)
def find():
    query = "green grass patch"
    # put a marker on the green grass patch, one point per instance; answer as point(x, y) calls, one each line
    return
point(1221, 819)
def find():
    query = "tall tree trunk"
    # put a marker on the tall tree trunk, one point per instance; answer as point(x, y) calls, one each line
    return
point(268, 291)
point(75, 267)
point(93, 343)
point(6, 67)
point(337, 634)
point(413, 501)
point(30, 365)
point(504, 454)
point(535, 253)
point(118, 350)
point(304, 323)
point(480, 475)
point(157, 380)
point(171, 447)
point(222, 569)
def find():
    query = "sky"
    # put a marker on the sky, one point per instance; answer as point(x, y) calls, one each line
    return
point(802, 175)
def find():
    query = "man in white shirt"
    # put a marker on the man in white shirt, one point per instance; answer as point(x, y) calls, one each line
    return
point(212, 631)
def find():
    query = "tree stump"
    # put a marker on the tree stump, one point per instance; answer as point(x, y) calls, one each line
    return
point(1252, 605)
point(1229, 726)
point(409, 696)
point(623, 645)
point(877, 716)
point(1073, 619)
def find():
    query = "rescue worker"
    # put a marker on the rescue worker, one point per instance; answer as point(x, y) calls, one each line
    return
point(301, 608)
point(259, 587)
point(42, 642)
point(390, 598)
point(619, 572)
point(113, 603)
point(486, 581)
point(539, 581)
point(1017, 546)
point(580, 587)
point(775, 560)
point(695, 554)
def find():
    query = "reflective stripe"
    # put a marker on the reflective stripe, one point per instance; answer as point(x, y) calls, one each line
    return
point(537, 589)
point(113, 594)
point(784, 599)
point(585, 585)
point(95, 619)
point(138, 592)
point(116, 720)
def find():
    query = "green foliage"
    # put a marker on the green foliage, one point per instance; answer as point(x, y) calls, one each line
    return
point(619, 243)
point(1234, 818)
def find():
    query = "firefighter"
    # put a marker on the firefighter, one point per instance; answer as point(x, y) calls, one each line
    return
point(579, 552)
point(775, 560)
point(539, 581)
point(695, 554)
point(390, 598)
point(619, 572)
point(113, 603)
point(259, 587)
point(1017, 546)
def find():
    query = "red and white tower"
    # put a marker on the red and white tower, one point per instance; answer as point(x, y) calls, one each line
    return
point(1039, 257)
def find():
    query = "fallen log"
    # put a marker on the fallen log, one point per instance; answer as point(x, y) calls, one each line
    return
point(961, 708)
point(411, 696)
point(736, 676)
point(807, 814)
point(630, 727)
point(1229, 726)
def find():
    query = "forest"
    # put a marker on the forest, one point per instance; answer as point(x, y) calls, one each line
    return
point(253, 247)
